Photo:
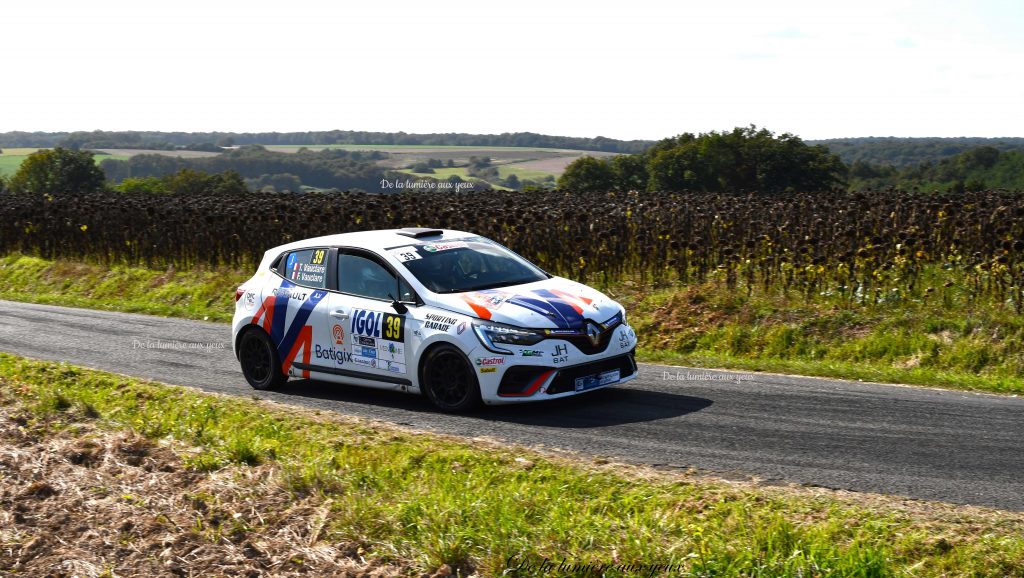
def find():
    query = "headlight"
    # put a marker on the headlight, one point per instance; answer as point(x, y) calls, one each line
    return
point(494, 335)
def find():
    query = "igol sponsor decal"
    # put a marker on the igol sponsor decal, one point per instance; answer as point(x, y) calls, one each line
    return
point(439, 322)
point(378, 325)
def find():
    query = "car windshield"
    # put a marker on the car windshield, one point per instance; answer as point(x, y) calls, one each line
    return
point(471, 264)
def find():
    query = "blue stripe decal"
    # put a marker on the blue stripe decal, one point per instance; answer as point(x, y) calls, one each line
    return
point(277, 327)
point(562, 314)
point(573, 319)
point(285, 336)
point(301, 316)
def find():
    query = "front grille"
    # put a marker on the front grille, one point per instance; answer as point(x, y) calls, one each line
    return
point(582, 342)
point(566, 378)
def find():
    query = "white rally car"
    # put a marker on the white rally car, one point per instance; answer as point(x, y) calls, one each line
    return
point(449, 314)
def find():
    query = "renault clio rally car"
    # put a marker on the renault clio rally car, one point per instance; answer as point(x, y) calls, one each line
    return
point(448, 314)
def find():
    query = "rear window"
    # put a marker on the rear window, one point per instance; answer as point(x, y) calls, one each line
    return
point(307, 267)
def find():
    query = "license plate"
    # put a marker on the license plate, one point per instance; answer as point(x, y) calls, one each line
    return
point(597, 380)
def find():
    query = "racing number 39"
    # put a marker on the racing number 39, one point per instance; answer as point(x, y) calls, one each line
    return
point(318, 257)
point(393, 327)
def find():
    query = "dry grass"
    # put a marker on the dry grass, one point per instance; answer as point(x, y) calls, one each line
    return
point(92, 503)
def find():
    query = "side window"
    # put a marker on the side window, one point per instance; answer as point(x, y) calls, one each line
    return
point(307, 267)
point(406, 293)
point(358, 275)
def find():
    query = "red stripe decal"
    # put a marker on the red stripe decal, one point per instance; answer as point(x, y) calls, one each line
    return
point(534, 385)
point(481, 311)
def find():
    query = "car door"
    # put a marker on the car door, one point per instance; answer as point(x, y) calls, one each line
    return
point(373, 336)
point(289, 313)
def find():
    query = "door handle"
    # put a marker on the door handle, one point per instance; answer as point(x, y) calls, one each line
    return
point(339, 313)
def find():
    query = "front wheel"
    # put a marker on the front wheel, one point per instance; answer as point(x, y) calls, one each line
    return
point(449, 380)
point(260, 363)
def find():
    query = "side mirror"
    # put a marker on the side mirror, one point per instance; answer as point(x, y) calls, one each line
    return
point(398, 306)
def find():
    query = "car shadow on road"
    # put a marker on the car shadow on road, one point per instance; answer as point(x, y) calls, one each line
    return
point(602, 408)
point(605, 407)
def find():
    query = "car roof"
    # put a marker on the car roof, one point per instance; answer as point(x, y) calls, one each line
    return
point(375, 240)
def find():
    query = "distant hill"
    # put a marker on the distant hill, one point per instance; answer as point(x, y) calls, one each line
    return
point(976, 169)
point(171, 140)
point(906, 152)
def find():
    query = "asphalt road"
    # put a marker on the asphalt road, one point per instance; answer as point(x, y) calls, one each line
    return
point(924, 443)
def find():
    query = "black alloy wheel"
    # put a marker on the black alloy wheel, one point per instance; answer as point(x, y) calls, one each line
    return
point(260, 363)
point(449, 380)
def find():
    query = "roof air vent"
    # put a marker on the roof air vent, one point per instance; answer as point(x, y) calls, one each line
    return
point(419, 232)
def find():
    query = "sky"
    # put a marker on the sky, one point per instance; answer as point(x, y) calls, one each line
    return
point(626, 70)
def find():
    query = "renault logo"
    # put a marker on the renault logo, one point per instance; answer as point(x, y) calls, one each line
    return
point(593, 332)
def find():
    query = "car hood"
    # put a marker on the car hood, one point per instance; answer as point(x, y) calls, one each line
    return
point(554, 303)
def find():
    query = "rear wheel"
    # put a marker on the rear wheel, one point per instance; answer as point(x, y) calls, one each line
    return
point(449, 380)
point(260, 363)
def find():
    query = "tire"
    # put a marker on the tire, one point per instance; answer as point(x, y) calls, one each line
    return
point(449, 380)
point(259, 359)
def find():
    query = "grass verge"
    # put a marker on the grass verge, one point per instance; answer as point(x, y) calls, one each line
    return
point(424, 501)
point(707, 325)
point(195, 294)
point(910, 342)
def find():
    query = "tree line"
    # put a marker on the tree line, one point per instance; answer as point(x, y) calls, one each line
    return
point(742, 160)
point(751, 159)
point(975, 169)
point(908, 152)
point(325, 169)
point(172, 140)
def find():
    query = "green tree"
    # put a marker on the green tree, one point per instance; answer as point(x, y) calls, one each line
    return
point(512, 182)
point(673, 170)
point(587, 174)
point(630, 172)
point(479, 162)
point(145, 185)
point(58, 170)
point(191, 182)
point(744, 159)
